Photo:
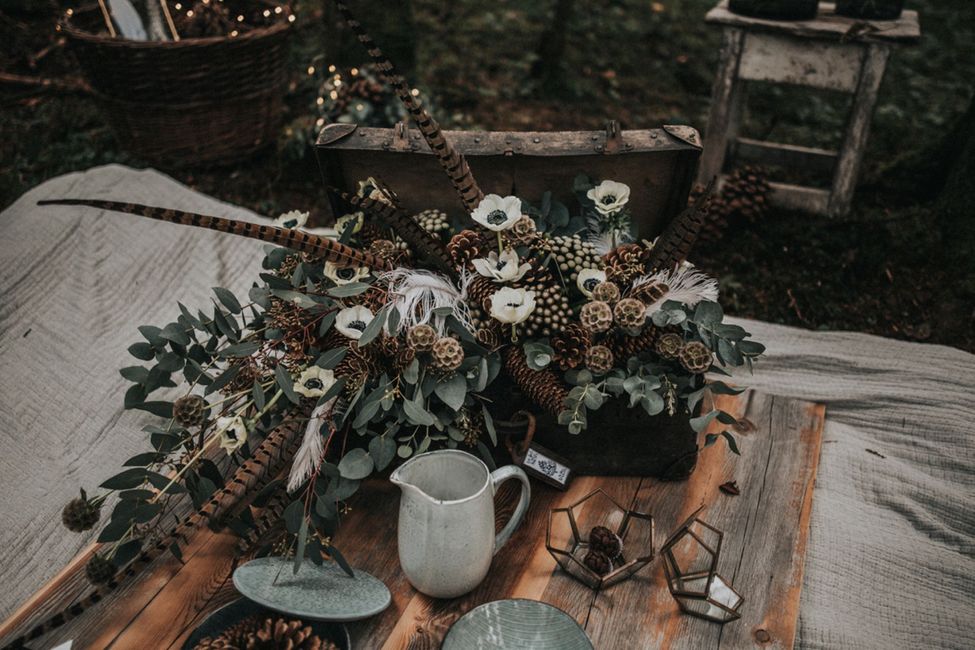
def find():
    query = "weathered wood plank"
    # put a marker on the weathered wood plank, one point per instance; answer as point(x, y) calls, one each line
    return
point(725, 111)
point(826, 26)
point(858, 129)
point(797, 197)
point(816, 64)
point(765, 530)
point(784, 155)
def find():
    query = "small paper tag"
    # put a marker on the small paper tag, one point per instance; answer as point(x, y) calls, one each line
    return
point(546, 466)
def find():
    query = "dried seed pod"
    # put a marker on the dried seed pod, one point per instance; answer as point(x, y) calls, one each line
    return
point(190, 410)
point(669, 345)
point(80, 514)
point(695, 357)
point(447, 354)
point(630, 313)
point(99, 570)
point(572, 254)
point(596, 316)
point(599, 359)
point(523, 231)
point(421, 337)
point(608, 292)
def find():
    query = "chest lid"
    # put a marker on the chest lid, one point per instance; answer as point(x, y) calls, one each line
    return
point(658, 165)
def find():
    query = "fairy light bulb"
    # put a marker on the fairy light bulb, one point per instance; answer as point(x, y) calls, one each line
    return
point(178, 6)
point(189, 14)
point(267, 13)
point(278, 10)
point(415, 92)
point(233, 33)
point(354, 71)
point(321, 100)
point(331, 68)
point(291, 18)
point(311, 70)
point(320, 122)
point(334, 95)
point(240, 18)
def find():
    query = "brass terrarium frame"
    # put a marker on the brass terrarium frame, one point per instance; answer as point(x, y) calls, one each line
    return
point(699, 590)
point(569, 558)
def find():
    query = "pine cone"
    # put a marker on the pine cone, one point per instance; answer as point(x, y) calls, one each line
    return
point(605, 541)
point(669, 345)
point(421, 337)
point(190, 411)
point(99, 570)
point(695, 357)
point(543, 387)
point(596, 316)
point(649, 292)
point(598, 562)
point(404, 356)
point(626, 262)
point(744, 198)
point(80, 514)
point(278, 633)
point(625, 346)
point(479, 292)
point(489, 335)
point(571, 345)
point(630, 313)
point(356, 366)
point(446, 354)
point(465, 246)
point(599, 359)
point(608, 292)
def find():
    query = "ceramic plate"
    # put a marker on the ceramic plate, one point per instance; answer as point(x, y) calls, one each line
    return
point(240, 609)
point(516, 624)
point(315, 593)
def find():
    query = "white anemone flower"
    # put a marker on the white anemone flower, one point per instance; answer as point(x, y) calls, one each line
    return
point(345, 275)
point(609, 196)
point(232, 432)
point(351, 321)
point(512, 306)
point(588, 279)
point(497, 213)
point(343, 222)
point(314, 381)
point(503, 267)
point(293, 219)
point(370, 188)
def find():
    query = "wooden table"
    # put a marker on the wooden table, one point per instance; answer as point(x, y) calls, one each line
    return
point(829, 52)
point(766, 529)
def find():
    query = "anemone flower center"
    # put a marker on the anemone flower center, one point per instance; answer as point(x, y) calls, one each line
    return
point(497, 217)
point(609, 199)
point(314, 384)
point(345, 274)
point(590, 284)
point(358, 325)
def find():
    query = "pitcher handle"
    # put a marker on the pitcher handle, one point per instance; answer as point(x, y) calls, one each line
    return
point(498, 477)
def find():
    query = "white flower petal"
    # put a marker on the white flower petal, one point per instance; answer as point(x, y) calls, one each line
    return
point(344, 275)
point(512, 306)
point(314, 381)
point(293, 219)
point(588, 279)
point(232, 432)
point(351, 321)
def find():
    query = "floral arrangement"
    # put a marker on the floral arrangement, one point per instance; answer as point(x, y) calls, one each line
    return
point(351, 353)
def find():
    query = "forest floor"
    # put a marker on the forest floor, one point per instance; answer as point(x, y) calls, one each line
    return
point(877, 270)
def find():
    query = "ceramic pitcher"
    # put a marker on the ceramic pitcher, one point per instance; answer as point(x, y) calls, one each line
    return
point(446, 520)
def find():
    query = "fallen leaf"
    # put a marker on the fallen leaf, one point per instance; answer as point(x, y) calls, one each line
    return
point(731, 487)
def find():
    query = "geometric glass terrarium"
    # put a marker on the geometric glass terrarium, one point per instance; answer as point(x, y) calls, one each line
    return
point(568, 539)
point(690, 558)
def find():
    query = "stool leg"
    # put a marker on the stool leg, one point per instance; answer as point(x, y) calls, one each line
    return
point(725, 106)
point(857, 129)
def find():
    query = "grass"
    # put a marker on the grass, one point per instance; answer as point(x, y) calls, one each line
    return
point(644, 63)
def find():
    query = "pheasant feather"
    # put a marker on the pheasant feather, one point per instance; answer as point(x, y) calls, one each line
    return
point(339, 254)
point(450, 159)
point(407, 228)
point(677, 240)
point(266, 461)
point(685, 284)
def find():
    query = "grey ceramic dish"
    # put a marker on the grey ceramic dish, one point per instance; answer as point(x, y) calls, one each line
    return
point(315, 593)
point(516, 624)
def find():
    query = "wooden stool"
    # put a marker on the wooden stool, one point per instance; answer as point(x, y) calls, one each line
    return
point(829, 52)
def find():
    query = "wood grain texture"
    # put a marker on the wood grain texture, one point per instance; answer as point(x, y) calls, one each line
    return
point(765, 540)
point(825, 26)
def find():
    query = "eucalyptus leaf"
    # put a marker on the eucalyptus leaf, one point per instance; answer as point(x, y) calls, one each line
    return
point(285, 383)
point(452, 391)
point(348, 290)
point(357, 464)
point(228, 299)
point(383, 450)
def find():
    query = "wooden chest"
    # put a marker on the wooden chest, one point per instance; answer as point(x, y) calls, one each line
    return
point(658, 165)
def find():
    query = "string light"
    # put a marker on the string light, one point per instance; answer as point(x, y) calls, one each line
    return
point(69, 12)
point(189, 14)
point(291, 18)
point(334, 95)
point(320, 122)
point(415, 92)
point(278, 10)
point(331, 68)
point(311, 69)
point(267, 13)
point(233, 33)
point(354, 71)
point(178, 6)
point(321, 100)
point(240, 18)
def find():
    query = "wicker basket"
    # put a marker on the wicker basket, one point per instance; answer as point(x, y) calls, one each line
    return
point(196, 101)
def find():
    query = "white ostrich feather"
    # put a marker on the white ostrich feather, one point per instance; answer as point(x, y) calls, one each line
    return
point(605, 238)
point(309, 456)
point(418, 295)
point(686, 285)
